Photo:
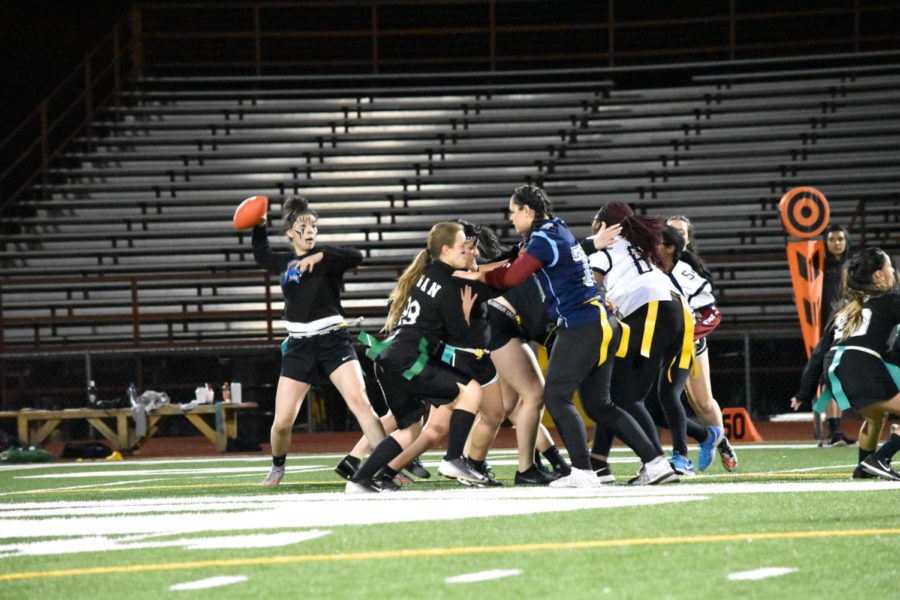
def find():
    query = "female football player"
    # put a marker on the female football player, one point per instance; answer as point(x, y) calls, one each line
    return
point(317, 345)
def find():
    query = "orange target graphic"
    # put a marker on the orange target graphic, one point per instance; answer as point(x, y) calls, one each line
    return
point(804, 212)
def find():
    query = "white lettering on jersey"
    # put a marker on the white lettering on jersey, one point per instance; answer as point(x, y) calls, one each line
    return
point(579, 256)
point(429, 287)
point(411, 314)
point(863, 328)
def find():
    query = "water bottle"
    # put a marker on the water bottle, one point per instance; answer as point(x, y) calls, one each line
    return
point(226, 392)
point(92, 393)
point(132, 394)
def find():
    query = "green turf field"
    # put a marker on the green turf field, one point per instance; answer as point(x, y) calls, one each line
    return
point(789, 523)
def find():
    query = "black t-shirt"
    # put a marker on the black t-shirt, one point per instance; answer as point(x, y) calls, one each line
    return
point(881, 314)
point(312, 295)
point(434, 312)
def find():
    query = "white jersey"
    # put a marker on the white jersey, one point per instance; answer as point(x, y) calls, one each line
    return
point(630, 280)
point(696, 289)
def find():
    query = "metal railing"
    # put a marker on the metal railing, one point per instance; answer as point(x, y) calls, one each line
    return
point(66, 111)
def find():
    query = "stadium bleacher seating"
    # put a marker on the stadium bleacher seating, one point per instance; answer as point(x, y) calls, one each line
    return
point(128, 238)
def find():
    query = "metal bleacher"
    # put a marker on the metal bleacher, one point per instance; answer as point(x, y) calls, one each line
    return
point(128, 235)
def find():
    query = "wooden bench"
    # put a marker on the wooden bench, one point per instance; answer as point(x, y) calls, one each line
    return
point(35, 426)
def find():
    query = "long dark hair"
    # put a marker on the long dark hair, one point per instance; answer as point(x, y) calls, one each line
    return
point(644, 233)
point(672, 237)
point(831, 258)
point(536, 199)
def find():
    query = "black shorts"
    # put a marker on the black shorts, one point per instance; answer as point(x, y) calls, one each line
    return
point(313, 359)
point(863, 377)
point(504, 328)
point(409, 399)
point(481, 369)
point(700, 346)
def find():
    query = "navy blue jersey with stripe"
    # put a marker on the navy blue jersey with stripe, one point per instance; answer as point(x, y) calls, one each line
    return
point(565, 275)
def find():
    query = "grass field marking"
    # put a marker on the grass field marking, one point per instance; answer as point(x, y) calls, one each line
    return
point(439, 552)
point(211, 582)
point(763, 573)
point(483, 576)
point(170, 472)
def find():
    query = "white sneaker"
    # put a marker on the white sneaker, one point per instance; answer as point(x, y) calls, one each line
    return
point(578, 478)
point(656, 471)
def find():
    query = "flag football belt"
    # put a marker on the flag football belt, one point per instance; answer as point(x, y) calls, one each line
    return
point(605, 327)
point(324, 330)
point(308, 334)
point(835, 391)
point(376, 348)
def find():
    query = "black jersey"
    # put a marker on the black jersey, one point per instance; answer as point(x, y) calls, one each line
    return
point(312, 295)
point(880, 315)
point(528, 300)
point(434, 313)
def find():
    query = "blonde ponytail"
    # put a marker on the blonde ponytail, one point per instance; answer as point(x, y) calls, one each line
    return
point(442, 234)
point(400, 293)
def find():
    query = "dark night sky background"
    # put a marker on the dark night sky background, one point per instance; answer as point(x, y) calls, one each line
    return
point(42, 41)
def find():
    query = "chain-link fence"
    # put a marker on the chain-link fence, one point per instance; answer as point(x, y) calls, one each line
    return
point(754, 369)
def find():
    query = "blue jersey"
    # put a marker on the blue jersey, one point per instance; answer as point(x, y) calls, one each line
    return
point(565, 275)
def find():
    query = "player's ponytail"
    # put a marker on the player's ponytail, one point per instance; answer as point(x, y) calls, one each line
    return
point(859, 285)
point(442, 234)
point(644, 233)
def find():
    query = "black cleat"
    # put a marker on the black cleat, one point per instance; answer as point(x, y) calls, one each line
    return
point(387, 483)
point(348, 467)
point(416, 469)
point(858, 473)
point(533, 476)
point(879, 468)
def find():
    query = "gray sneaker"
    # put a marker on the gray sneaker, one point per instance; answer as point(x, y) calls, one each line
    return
point(458, 469)
point(274, 476)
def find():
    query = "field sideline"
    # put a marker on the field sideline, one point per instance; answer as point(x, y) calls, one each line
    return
point(789, 522)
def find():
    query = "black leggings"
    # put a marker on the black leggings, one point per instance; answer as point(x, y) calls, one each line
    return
point(635, 376)
point(573, 366)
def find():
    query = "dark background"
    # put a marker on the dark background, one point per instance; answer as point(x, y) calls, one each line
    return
point(42, 41)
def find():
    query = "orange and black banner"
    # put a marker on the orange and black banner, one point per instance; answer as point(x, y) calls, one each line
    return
point(804, 214)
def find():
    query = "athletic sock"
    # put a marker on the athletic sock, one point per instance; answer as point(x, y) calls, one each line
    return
point(353, 461)
point(278, 461)
point(889, 448)
point(834, 425)
point(555, 458)
point(537, 459)
point(697, 431)
point(480, 465)
point(864, 454)
point(597, 464)
point(460, 425)
point(386, 451)
point(388, 473)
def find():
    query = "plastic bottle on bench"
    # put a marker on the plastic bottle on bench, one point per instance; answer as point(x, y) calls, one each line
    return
point(132, 394)
point(92, 393)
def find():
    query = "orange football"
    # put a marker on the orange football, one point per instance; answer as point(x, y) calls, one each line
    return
point(250, 211)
